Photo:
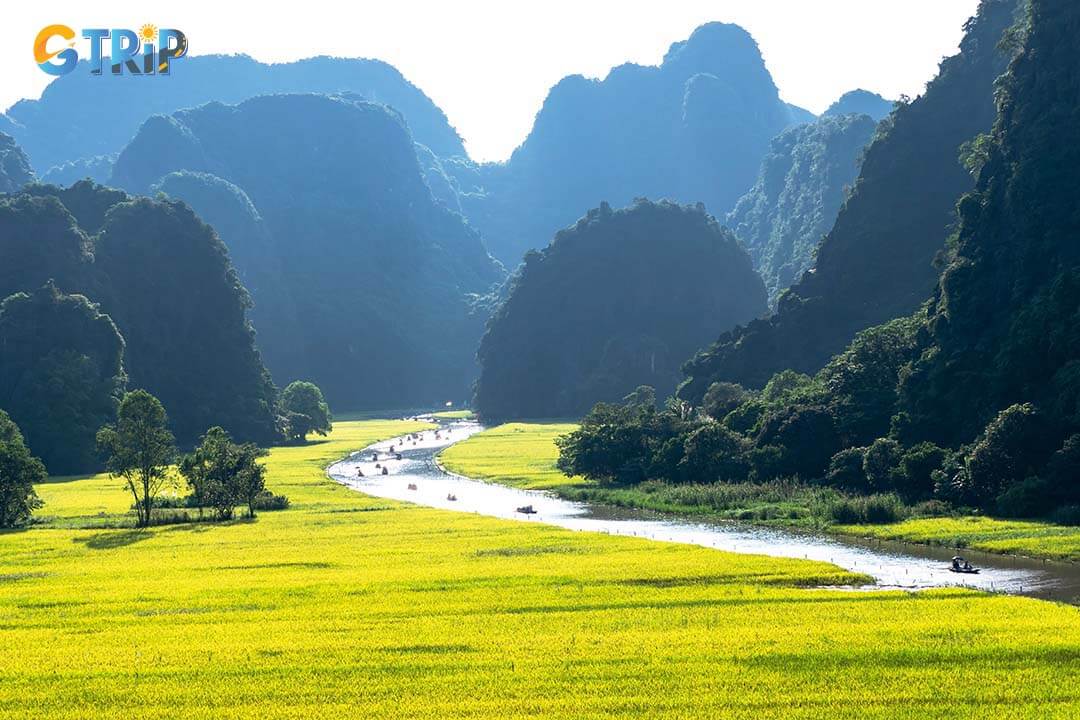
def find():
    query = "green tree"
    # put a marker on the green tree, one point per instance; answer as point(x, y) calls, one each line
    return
point(1013, 447)
point(722, 398)
point(139, 448)
point(846, 470)
point(880, 464)
point(19, 472)
point(61, 374)
point(304, 411)
point(712, 453)
point(223, 474)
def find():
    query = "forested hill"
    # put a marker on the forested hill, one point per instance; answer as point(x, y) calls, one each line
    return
point(860, 102)
point(973, 401)
point(614, 302)
point(799, 190)
point(58, 129)
point(693, 129)
point(363, 283)
point(14, 166)
point(164, 278)
point(1004, 325)
point(877, 261)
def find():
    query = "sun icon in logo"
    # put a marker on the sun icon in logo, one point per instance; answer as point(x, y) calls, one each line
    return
point(148, 33)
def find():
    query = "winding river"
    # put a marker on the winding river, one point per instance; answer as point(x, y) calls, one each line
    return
point(416, 477)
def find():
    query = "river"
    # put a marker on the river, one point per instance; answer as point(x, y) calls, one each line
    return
point(417, 478)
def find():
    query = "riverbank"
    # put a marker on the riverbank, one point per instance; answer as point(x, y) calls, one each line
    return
point(523, 455)
point(345, 603)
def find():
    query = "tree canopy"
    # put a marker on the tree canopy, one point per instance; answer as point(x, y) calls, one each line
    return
point(614, 302)
point(61, 374)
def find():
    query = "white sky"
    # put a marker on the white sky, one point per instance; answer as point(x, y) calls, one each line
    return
point(489, 63)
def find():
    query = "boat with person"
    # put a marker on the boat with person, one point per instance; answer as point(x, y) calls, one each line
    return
point(960, 565)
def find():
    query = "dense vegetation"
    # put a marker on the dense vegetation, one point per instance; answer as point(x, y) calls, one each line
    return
point(614, 302)
point(61, 374)
point(14, 166)
point(57, 130)
point(800, 187)
point(347, 601)
point(860, 102)
point(525, 455)
point(974, 399)
point(164, 278)
point(19, 473)
point(693, 129)
point(378, 304)
point(877, 261)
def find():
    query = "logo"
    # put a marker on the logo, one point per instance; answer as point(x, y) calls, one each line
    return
point(148, 51)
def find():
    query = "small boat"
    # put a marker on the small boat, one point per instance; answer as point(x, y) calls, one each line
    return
point(526, 510)
point(412, 486)
point(451, 497)
point(960, 565)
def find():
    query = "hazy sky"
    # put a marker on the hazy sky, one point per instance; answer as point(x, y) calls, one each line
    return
point(489, 63)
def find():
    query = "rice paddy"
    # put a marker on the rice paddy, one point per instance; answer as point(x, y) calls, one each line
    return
point(524, 454)
point(349, 606)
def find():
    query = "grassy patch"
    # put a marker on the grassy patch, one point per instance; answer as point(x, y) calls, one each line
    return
point(1019, 537)
point(414, 612)
point(454, 415)
point(524, 454)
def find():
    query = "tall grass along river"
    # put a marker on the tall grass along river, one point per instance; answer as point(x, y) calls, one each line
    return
point(416, 477)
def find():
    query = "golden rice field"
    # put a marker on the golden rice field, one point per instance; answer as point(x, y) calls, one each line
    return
point(1016, 537)
point(519, 454)
point(348, 606)
point(524, 455)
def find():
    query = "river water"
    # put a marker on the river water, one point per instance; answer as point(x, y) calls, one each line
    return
point(417, 478)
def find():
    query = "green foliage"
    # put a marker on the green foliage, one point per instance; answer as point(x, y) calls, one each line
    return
point(871, 509)
point(304, 411)
point(846, 470)
point(603, 309)
point(800, 187)
point(61, 374)
point(363, 281)
point(14, 166)
point(712, 453)
point(860, 382)
point(876, 263)
point(182, 310)
point(223, 474)
point(880, 462)
point(723, 398)
point(139, 449)
point(164, 279)
point(19, 472)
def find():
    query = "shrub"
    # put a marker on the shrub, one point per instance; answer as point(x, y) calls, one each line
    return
point(846, 470)
point(267, 500)
point(932, 508)
point(1025, 499)
point(868, 510)
point(1068, 515)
